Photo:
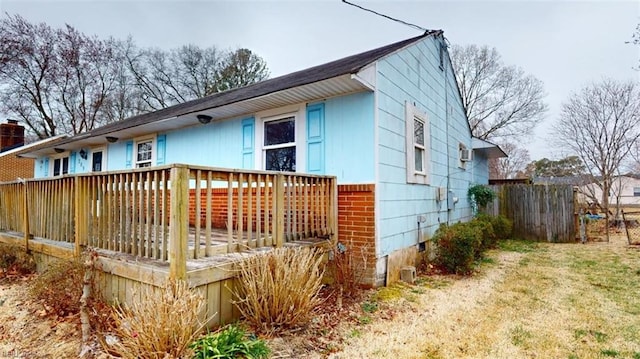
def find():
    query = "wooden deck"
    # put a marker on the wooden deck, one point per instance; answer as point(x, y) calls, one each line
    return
point(177, 221)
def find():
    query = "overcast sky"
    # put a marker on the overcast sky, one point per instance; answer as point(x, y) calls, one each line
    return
point(566, 44)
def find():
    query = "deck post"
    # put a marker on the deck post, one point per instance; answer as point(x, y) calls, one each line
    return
point(279, 230)
point(25, 216)
point(179, 222)
point(333, 210)
point(79, 215)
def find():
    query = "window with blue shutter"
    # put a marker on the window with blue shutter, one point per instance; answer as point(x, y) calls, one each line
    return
point(161, 149)
point(315, 138)
point(248, 126)
point(129, 154)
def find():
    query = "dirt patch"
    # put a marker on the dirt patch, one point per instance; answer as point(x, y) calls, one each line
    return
point(25, 332)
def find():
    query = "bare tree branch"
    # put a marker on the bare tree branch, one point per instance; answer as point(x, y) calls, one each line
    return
point(500, 101)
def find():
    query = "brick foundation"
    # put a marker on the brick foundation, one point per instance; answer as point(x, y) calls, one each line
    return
point(356, 225)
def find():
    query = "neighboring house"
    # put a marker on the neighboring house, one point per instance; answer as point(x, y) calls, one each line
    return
point(389, 123)
point(12, 142)
point(625, 190)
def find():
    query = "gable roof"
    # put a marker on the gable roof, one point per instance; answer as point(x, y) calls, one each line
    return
point(346, 66)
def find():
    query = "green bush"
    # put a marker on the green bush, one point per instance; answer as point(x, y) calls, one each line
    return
point(457, 247)
point(502, 226)
point(481, 195)
point(488, 237)
point(229, 343)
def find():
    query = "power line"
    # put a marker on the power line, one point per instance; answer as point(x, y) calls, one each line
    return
point(387, 16)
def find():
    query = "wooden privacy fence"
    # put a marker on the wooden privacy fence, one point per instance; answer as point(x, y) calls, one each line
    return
point(538, 212)
point(172, 213)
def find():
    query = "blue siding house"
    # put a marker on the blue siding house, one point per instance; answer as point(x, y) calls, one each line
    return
point(389, 123)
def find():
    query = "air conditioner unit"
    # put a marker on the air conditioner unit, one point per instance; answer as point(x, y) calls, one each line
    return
point(466, 155)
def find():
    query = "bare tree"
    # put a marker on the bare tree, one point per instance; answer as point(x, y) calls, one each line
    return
point(511, 166)
point(167, 78)
point(500, 101)
point(601, 125)
point(54, 80)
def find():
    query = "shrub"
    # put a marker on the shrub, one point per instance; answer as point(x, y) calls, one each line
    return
point(15, 260)
point(488, 238)
point(159, 323)
point(502, 226)
point(229, 343)
point(59, 287)
point(279, 289)
point(481, 195)
point(457, 246)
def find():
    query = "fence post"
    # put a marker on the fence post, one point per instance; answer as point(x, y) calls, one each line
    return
point(279, 210)
point(179, 222)
point(25, 216)
point(79, 215)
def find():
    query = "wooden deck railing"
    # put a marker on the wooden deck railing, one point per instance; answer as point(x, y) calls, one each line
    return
point(172, 213)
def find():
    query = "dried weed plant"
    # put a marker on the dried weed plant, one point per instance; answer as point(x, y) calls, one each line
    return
point(14, 260)
point(160, 323)
point(59, 287)
point(279, 289)
point(348, 269)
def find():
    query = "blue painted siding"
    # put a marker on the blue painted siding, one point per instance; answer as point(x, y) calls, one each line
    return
point(117, 156)
point(41, 167)
point(349, 138)
point(413, 75)
point(218, 144)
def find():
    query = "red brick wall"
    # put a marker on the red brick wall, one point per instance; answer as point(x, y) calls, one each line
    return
point(356, 224)
point(12, 167)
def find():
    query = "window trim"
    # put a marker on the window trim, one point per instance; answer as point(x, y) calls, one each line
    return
point(136, 141)
point(102, 149)
point(61, 157)
point(413, 176)
point(298, 112)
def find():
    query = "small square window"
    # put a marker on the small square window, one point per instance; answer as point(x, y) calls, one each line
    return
point(636, 191)
point(144, 153)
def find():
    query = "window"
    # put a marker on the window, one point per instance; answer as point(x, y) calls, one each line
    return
point(636, 191)
point(417, 144)
point(97, 160)
point(143, 153)
point(279, 144)
point(61, 166)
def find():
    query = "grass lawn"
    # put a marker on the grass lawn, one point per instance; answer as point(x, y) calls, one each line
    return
point(527, 300)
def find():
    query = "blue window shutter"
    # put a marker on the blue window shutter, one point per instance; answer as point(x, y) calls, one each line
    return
point(46, 167)
point(129, 154)
point(161, 149)
point(248, 126)
point(315, 138)
point(72, 162)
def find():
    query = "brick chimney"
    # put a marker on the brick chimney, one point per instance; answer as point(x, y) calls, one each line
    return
point(11, 135)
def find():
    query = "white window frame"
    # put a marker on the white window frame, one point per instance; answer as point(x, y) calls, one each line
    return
point(299, 113)
point(136, 141)
point(414, 176)
point(102, 149)
point(61, 156)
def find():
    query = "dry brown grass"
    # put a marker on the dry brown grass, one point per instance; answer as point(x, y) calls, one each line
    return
point(550, 301)
point(279, 289)
point(159, 324)
point(59, 287)
point(14, 260)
